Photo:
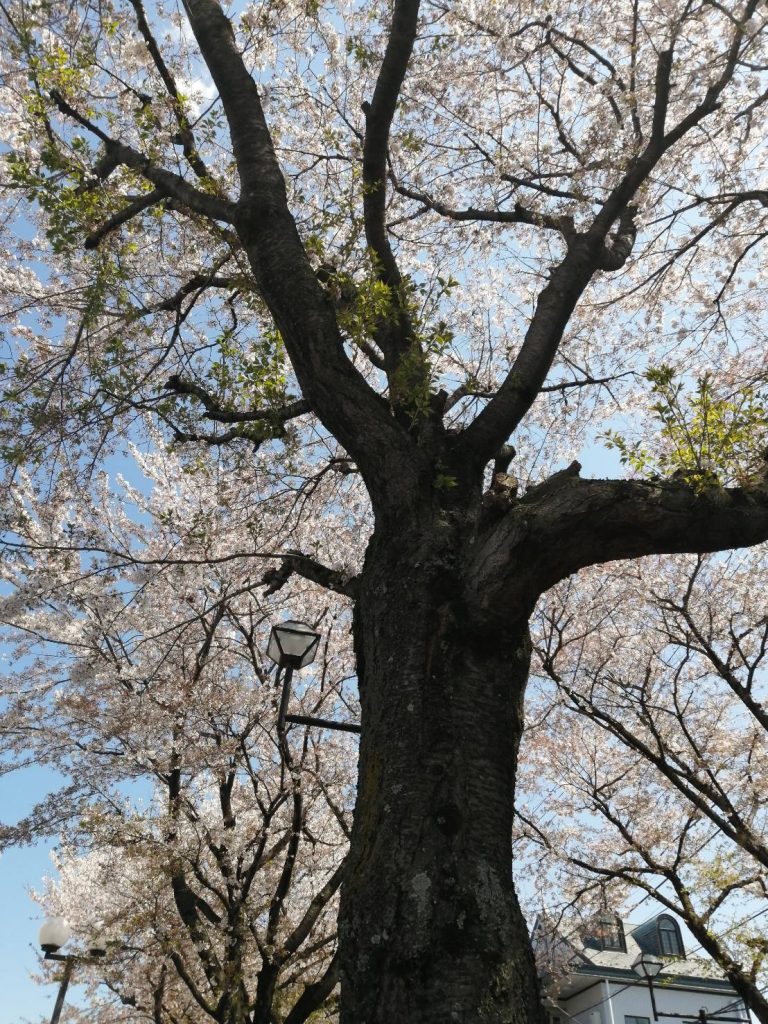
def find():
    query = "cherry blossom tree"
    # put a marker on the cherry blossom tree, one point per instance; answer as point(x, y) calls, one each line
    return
point(385, 241)
point(211, 853)
point(653, 744)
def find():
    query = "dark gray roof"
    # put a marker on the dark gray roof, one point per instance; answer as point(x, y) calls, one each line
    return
point(687, 971)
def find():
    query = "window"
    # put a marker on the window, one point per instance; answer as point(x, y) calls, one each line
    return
point(610, 933)
point(670, 940)
point(637, 1020)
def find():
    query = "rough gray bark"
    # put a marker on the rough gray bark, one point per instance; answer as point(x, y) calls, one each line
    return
point(430, 921)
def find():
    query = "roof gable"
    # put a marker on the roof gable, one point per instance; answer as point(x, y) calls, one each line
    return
point(577, 953)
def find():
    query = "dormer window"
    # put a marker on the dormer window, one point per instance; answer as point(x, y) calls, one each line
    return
point(610, 933)
point(670, 939)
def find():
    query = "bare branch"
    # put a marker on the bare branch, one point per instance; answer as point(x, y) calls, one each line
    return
point(220, 414)
point(294, 562)
point(518, 215)
point(379, 114)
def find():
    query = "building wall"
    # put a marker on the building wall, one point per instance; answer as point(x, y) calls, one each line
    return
point(612, 1002)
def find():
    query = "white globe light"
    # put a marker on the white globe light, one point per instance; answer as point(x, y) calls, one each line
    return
point(98, 945)
point(54, 933)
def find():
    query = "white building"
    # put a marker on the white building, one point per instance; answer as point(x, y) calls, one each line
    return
point(588, 977)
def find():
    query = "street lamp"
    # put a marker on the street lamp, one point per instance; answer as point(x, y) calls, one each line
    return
point(54, 934)
point(648, 966)
point(294, 645)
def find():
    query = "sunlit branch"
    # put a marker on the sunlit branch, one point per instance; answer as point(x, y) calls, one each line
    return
point(251, 141)
point(134, 208)
point(186, 135)
point(220, 414)
point(170, 184)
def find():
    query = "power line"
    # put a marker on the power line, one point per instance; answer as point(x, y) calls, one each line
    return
point(734, 1005)
point(733, 927)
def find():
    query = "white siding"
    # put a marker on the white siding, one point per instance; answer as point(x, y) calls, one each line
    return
point(616, 1000)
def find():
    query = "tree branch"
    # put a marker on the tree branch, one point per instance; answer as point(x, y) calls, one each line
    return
point(214, 411)
point(170, 184)
point(260, 176)
point(587, 254)
point(134, 208)
point(288, 283)
point(319, 902)
point(314, 995)
point(199, 282)
point(518, 215)
point(566, 524)
point(303, 565)
point(186, 977)
point(186, 135)
point(254, 436)
point(379, 114)
point(704, 794)
point(554, 308)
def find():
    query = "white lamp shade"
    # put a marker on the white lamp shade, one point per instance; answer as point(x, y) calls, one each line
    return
point(293, 643)
point(98, 945)
point(646, 965)
point(54, 933)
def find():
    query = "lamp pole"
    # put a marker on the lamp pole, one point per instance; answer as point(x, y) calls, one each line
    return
point(653, 999)
point(287, 671)
point(54, 933)
point(69, 966)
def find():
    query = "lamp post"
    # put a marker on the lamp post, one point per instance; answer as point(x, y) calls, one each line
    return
point(293, 645)
point(648, 966)
point(54, 933)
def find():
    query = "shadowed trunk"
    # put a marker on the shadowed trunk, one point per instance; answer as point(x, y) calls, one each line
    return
point(430, 924)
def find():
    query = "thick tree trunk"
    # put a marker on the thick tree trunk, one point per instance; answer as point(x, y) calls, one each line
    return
point(431, 930)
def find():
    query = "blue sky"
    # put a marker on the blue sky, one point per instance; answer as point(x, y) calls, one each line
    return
point(22, 999)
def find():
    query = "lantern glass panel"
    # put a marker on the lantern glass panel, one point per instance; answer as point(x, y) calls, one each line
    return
point(273, 648)
point(647, 965)
point(293, 643)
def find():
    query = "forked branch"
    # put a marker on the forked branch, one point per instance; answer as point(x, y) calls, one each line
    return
point(169, 184)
